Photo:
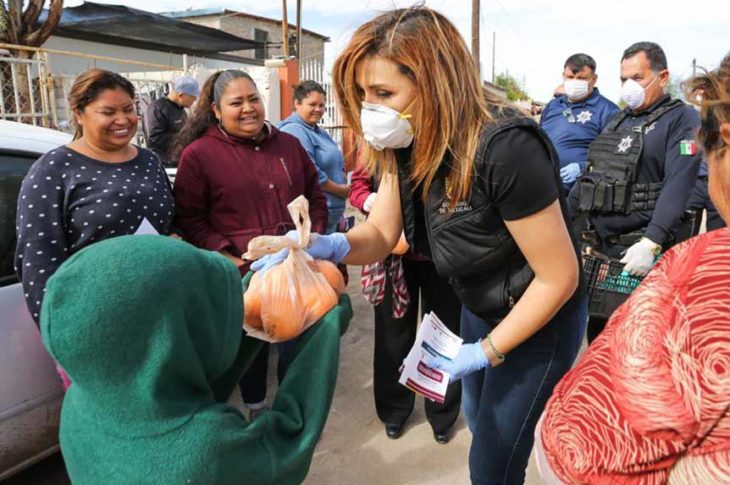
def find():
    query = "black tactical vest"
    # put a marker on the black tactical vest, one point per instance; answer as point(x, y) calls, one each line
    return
point(469, 243)
point(609, 186)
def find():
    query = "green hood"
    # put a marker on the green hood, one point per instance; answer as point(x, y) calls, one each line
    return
point(158, 318)
point(146, 328)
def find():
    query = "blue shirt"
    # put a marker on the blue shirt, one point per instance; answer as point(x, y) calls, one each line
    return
point(324, 153)
point(573, 126)
point(662, 160)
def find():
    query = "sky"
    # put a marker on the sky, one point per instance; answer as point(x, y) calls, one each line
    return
point(533, 37)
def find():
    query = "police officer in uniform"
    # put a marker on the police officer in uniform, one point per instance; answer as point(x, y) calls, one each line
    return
point(574, 119)
point(642, 169)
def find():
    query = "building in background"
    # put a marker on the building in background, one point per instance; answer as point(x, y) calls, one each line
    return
point(147, 48)
point(257, 28)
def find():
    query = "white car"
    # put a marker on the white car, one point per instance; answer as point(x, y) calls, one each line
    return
point(30, 390)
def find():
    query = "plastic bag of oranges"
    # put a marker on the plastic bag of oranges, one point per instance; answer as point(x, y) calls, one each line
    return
point(288, 298)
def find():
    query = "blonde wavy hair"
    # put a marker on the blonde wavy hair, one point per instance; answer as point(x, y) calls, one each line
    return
point(711, 91)
point(452, 104)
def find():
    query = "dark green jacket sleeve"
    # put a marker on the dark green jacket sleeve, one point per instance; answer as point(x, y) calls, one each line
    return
point(277, 447)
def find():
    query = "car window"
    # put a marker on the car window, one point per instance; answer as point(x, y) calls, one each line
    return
point(13, 168)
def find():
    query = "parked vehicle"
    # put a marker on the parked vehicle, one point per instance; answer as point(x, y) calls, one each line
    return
point(30, 390)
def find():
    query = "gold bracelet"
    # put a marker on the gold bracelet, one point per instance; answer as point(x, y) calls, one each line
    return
point(499, 355)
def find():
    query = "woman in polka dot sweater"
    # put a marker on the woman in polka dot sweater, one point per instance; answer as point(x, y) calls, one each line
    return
point(98, 187)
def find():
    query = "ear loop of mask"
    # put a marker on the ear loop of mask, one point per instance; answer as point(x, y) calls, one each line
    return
point(405, 115)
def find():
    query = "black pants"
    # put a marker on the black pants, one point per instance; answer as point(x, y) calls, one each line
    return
point(595, 327)
point(394, 338)
point(253, 383)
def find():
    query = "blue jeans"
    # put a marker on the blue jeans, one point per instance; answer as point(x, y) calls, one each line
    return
point(333, 219)
point(503, 404)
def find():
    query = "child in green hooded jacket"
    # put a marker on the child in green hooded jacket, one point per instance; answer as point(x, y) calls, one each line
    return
point(149, 330)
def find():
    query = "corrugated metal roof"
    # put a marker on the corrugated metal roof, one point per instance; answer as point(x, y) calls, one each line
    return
point(120, 25)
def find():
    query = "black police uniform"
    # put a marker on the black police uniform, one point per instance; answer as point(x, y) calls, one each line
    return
point(667, 168)
point(642, 170)
point(700, 200)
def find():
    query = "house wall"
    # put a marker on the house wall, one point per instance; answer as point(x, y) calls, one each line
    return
point(312, 46)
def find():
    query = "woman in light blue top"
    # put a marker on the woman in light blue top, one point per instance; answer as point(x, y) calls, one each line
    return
point(309, 103)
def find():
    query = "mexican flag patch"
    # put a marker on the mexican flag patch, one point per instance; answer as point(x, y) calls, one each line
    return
point(688, 147)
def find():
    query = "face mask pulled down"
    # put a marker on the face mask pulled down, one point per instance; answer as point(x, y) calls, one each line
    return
point(383, 127)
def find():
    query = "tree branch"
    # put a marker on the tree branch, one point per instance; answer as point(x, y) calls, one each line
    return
point(39, 36)
point(4, 25)
point(31, 14)
point(13, 16)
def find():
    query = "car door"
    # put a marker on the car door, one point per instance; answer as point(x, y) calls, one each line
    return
point(30, 390)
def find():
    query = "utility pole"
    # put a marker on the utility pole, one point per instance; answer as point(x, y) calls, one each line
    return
point(475, 34)
point(284, 31)
point(494, 52)
point(694, 67)
point(299, 29)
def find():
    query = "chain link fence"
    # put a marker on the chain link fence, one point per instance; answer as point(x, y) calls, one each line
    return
point(25, 91)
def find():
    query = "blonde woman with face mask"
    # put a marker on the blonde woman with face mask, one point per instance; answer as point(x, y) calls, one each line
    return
point(475, 187)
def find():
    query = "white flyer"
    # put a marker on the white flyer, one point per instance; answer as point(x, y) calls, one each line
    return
point(146, 228)
point(435, 339)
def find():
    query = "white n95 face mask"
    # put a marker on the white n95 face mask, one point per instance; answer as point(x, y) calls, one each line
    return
point(575, 88)
point(632, 93)
point(383, 127)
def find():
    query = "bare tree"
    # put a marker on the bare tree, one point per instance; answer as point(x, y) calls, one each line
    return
point(20, 26)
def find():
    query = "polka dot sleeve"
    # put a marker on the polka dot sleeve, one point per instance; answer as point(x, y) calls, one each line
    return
point(41, 246)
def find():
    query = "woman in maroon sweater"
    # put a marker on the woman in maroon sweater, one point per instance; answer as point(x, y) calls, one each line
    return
point(235, 177)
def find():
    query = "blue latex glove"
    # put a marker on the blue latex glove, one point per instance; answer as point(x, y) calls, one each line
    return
point(333, 247)
point(570, 172)
point(471, 358)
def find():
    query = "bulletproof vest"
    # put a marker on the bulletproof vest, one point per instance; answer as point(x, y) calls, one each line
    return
point(469, 242)
point(610, 184)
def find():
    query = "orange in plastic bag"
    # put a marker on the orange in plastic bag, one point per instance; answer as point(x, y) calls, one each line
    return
point(283, 313)
point(293, 295)
point(332, 273)
point(252, 303)
point(402, 247)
